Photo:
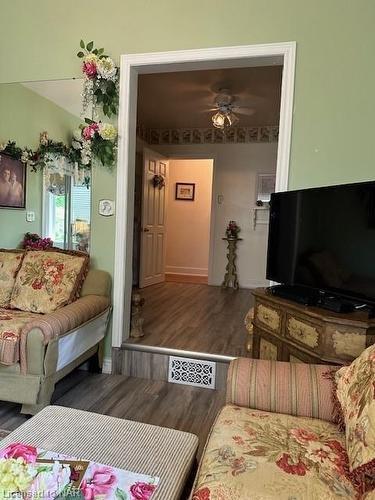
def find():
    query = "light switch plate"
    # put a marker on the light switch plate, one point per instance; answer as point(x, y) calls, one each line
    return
point(30, 216)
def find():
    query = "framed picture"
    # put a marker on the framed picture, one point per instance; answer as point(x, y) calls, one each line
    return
point(185, 191)
point(265, 186)
point(12, 182)
point(106, 208)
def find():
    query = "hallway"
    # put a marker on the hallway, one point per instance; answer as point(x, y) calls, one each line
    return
point(195, 317)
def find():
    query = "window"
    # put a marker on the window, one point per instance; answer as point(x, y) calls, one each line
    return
point(67, 215)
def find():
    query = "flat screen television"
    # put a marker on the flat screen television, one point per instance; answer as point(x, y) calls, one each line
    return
point(323, 239)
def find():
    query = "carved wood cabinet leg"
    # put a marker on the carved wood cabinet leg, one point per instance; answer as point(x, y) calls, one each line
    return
point(256, 345)
point(136, 330)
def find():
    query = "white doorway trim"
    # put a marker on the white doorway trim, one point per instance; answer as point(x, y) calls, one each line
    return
point(182, 60)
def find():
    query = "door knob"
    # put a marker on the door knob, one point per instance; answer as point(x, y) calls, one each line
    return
point(146, 230)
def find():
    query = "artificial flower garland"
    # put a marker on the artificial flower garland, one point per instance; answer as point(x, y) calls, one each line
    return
point(101, 79)
point(95, 139)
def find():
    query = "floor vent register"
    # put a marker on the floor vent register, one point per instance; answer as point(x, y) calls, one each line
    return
point(189, 371)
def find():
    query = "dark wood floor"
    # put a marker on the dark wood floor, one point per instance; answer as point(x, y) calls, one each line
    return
point(186, 408)
point(195, 317)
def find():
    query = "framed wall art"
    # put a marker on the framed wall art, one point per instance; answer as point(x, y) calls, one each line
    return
point(12, 182)
point(185, 191)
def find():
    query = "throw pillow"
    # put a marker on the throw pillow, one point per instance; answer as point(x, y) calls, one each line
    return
point(10, 262)
point(48, 279)
point(356, 394)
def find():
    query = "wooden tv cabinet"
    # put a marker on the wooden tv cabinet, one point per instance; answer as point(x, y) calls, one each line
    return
point(287, 331)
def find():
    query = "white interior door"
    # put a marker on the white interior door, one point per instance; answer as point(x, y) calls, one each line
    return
point(153, 227)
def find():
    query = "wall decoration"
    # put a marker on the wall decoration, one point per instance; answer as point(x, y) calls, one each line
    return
point(185, 191)
point(158, 181)
point(233, 135)
point(12, 182)
point(232, 230)
point(93, 143)
point(101, 80)
point(95, 140)
point(106, 208)
point(265, 186)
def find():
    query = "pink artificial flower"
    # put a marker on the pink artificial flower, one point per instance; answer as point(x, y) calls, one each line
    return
point(102, 481)
point(142, 491)
point(89, 131)
point(16, 450)
point(90, 70)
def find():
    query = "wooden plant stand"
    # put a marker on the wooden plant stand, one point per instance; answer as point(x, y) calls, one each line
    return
point(230, 278)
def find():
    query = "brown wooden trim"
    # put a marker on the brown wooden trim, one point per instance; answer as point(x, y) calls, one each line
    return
point(186, 278)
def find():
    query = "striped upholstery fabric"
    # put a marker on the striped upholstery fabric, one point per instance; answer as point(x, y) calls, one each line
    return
point(298, 389)
point(15, 326)
point(62, 321)
point(142, 448)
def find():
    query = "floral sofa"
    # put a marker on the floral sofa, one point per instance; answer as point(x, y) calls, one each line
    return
point(53, 315)
point(279, 435)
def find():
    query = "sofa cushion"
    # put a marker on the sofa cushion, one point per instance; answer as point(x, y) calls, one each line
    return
point(48, 279)
point(260, 455)
point(356, 394)
point(11, 325)
point(10, 262)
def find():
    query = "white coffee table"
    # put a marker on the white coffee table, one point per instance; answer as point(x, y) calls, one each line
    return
point(134, 446)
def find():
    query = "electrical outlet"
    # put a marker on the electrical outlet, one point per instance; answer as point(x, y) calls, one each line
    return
point(30, 216)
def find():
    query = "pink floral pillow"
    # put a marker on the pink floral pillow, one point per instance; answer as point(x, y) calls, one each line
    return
point(10, 262)
point(356, 394)
point(48, 279)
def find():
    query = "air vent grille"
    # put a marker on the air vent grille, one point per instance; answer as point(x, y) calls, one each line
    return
point(194, 372)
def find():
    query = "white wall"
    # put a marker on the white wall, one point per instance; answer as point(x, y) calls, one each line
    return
point(188, 222)
point(235, 170)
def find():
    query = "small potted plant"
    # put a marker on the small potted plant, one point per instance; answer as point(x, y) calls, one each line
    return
point(232, 230)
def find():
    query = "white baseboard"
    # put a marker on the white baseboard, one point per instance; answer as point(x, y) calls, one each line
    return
point(107, 365)
point(196, 271)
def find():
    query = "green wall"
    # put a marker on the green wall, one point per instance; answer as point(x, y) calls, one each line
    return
point(334, 110)
point(23, 115)
point(335, 74)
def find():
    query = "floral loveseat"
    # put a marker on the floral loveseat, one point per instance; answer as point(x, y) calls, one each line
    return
point(277, 438)
point(53, 314)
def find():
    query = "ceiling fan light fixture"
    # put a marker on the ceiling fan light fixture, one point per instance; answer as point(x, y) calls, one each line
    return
point(232, 119)
point(218, 120)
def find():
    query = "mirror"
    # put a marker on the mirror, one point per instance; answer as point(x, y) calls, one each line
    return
point(55, 203)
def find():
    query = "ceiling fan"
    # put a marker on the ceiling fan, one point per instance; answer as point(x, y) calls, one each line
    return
point(226, 110)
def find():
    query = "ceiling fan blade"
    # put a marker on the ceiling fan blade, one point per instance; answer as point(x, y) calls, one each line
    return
point(243, 99)
point(208, 110)
point(244, 111)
